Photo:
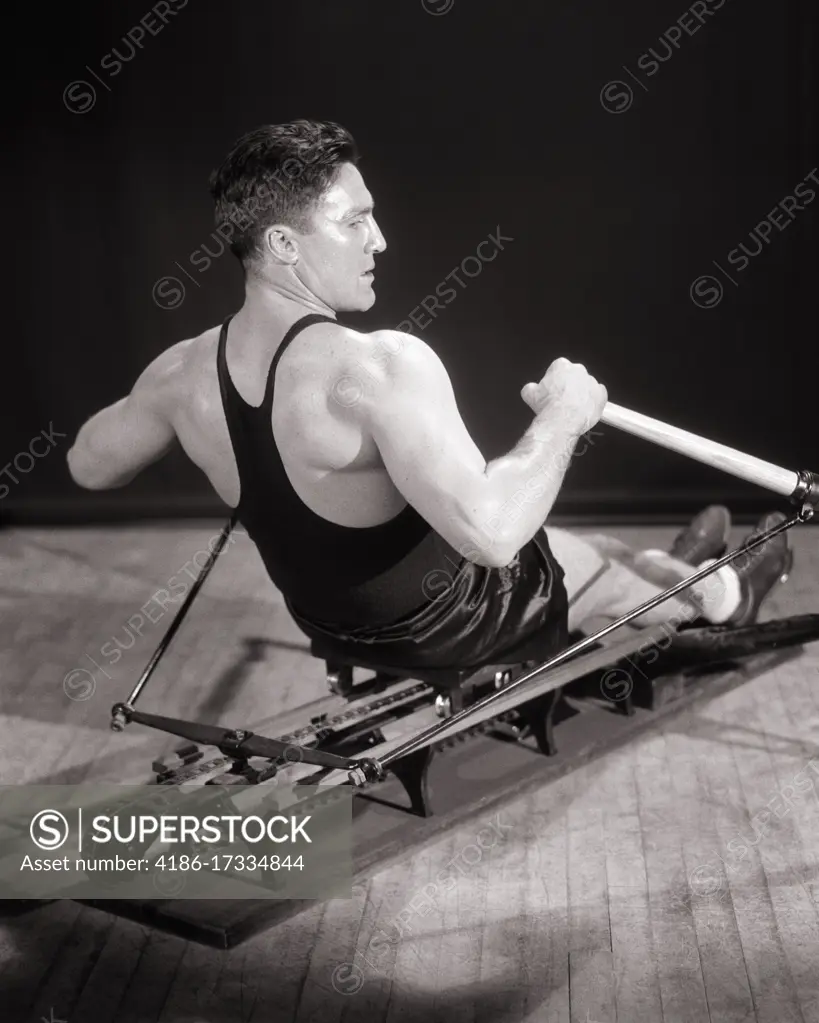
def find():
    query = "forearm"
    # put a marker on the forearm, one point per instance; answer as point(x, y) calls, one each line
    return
point(524, 483)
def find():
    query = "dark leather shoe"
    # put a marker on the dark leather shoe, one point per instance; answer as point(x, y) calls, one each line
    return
point(706, 536)
point(761, 569)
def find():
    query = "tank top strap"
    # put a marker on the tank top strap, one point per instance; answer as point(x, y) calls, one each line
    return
point(297, 328)
point(226, 388)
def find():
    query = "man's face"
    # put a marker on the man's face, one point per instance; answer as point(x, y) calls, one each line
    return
point(336, 259)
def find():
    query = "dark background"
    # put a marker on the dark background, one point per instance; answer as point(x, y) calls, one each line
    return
point(488, 115)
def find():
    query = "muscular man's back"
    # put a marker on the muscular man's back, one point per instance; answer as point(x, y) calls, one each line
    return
point(349, 467)
point(331, 460)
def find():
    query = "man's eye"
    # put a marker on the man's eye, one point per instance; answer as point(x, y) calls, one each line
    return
point(355, 223)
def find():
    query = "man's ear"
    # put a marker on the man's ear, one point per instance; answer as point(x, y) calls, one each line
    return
point(281, 243)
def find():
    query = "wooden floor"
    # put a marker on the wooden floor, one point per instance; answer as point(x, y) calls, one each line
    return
point(634, 889)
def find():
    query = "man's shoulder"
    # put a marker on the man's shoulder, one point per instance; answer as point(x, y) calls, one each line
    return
point(390, 365)
point(176, 372)
point(395, 351)
point(167, 367)
point(335, 348)
point(357, 370)
point(382, 340)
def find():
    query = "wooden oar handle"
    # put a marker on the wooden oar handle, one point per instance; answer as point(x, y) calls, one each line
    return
point(798, 486)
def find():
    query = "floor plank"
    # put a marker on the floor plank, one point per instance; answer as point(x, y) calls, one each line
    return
point(642, 886)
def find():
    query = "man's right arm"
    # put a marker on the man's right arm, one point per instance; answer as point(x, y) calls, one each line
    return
point(486, 511)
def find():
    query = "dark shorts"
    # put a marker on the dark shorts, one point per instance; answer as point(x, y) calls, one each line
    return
point(474, 616)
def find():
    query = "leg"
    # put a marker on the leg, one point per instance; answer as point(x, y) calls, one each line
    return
point(606, 578)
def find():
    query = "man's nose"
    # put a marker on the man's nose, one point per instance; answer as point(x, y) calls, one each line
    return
point(377, 240)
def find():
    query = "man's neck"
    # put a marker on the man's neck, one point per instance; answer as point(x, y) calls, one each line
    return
point(267, 304)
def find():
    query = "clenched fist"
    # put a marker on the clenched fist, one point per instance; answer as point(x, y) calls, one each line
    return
point(569, 391)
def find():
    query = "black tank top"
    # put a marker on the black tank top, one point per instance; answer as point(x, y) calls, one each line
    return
point(328, 573)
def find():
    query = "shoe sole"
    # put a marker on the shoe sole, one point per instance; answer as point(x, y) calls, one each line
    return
point(779, 581)
point(724, 539)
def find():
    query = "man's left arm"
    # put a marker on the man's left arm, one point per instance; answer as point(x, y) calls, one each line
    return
point(118, 442)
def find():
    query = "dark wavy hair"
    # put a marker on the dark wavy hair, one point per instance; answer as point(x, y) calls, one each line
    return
point(276, 174)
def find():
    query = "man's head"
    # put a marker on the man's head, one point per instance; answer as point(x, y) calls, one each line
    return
point(299, 214)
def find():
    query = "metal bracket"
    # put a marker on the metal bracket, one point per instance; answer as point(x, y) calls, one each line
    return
point(241, 744)
point(807, 492)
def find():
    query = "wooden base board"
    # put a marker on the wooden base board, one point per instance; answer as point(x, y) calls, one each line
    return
point(469, 778)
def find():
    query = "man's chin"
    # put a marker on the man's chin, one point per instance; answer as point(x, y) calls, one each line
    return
point(359, 304)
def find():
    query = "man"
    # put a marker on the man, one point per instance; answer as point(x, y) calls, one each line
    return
point(373, 510)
